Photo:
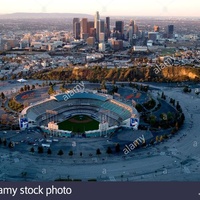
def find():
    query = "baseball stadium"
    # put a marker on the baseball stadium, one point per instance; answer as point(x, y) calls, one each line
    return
point(88, 113)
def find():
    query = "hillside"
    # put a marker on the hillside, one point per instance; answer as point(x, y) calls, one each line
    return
point(173, 74)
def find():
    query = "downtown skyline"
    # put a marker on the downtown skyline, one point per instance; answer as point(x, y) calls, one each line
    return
point(113, 7)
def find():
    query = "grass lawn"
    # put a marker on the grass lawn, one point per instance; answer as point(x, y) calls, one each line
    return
point(79, 123)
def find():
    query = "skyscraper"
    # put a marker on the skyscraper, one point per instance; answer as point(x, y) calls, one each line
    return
point(96, 24)
point(84, 23)
point(119, 27)
point(131, 31)
point(102, 26)
point(90, 26)
point(75, 20)
point(77, 30)
point(170, 30)
point(107, 27)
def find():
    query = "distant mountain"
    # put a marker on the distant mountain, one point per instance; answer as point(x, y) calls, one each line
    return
point(43, 15)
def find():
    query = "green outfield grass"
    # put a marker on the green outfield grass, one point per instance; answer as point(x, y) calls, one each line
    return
point(79, 124)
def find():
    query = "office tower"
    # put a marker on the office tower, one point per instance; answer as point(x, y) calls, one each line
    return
point(132, 24)
point(120, 26)
point(131, 31)
point(156, 28)
point(102, 26)
point(130, 35)
point(102, 37)
point(96, 24)
point(90, 26)
point(75, 20)
point(77, 30)
point(107, 31)
point(170, 31)
point(92, 32)
point(119, 29)
point(84, 23)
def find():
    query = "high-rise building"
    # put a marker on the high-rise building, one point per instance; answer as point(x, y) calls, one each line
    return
point(132, 23)
point(156, 28)
point(102, 37)
point(120, 26)
point(77, 30)
point(84, 23)
point(131, 31)
point(75, 20)
point(90, 25)
point(107, 31)
point(170, 31)
point(92, 32)
point(96, 24)
point(102, 26)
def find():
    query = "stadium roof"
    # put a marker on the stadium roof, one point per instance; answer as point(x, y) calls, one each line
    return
point(62, 97)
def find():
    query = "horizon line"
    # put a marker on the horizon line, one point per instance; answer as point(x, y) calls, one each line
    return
point(179, 16)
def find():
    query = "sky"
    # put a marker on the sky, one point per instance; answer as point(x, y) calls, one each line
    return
point(105, 7)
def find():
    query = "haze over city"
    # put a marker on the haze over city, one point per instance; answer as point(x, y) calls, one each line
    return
point(111, 7)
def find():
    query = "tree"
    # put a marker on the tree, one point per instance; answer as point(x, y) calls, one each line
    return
point(10, 145)
point(60, 152)
point(32, 150)
point(81, 154)
point(152, 119)
point(117, 148)
point(5, 142)
point(161, 138)
point(103, 84)
point(49, 151)
point(109, 150)
point(186, 89)
point(51, 90)
point(25, 88)
point(32, 87)
point(50, 83)
point(71, 153)
point(28, 87)
point(40, 149)
point(98, 152)
point(21, 89)
point(3, 95)
point(178, 107)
